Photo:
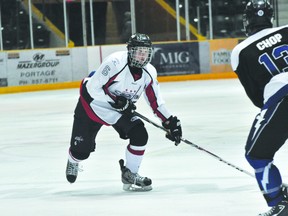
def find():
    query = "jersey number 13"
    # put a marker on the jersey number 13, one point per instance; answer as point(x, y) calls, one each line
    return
point(269, 61)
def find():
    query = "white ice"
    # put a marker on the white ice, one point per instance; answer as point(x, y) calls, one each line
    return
point(35, 132)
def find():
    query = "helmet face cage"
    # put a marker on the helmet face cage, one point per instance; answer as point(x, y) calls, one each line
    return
point(139, 50)
point(257, 15)
point(139, 56)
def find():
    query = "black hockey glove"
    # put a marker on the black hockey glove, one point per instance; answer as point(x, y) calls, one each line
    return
point(173, 125)
point(123, 105)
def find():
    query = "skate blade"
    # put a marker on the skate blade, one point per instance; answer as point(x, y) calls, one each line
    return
point(135, 188)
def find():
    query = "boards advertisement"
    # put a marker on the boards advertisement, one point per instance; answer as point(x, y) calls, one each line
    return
point(38, 67)
point(176, 58)
point(47, 66)
point(220, 53)
point(3, 72)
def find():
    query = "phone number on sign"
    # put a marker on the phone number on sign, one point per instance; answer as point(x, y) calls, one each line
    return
point(44, 81)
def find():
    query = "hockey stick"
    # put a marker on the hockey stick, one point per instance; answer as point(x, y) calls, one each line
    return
point(200, 148)
point(195, 146)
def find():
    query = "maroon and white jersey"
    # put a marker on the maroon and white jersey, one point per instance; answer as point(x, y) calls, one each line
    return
point(114, 78)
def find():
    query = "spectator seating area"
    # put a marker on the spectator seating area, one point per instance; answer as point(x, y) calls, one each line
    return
point(15, 28)
point(228, 18)
point(227, 22)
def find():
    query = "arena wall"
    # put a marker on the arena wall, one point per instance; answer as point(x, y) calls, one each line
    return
point(44, 69)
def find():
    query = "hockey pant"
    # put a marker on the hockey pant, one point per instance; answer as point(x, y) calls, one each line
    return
point(84, 132)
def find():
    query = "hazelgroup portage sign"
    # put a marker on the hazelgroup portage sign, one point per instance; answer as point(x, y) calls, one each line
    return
point(34, 67)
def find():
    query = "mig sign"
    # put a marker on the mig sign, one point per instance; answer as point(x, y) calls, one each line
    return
point(176, 58)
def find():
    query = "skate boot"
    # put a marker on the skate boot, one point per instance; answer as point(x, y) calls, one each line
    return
point(133, 181)
point(285, 192)
point(279, 210)
point(72, 171)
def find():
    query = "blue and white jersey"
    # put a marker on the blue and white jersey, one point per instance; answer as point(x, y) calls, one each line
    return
point(261, 63)
point(114, 78)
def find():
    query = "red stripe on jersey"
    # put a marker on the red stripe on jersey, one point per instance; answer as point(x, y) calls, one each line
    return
point(153, 101)
point(108, 84)
point(89, 110)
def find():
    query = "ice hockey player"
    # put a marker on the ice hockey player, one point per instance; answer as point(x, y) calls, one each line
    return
point(261, 63)
point(108, 97)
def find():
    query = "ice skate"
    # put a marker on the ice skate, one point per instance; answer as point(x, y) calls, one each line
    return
point(133, 181)
point(72, 171)
point(285, 192)
point(279, 210)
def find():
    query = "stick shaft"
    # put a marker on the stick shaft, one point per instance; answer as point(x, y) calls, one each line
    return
point(196, 146)
point(200, 148)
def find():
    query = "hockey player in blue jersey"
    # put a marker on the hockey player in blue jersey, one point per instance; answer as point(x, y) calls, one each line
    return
point(261, 63)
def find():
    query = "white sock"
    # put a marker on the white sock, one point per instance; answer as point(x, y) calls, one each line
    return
point(134, 155)
point(72, 159)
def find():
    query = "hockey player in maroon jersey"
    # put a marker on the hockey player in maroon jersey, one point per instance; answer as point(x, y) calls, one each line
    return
point(108, 97)
point(261, 63)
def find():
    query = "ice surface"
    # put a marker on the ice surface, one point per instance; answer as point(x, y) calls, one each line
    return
point(215, 114)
